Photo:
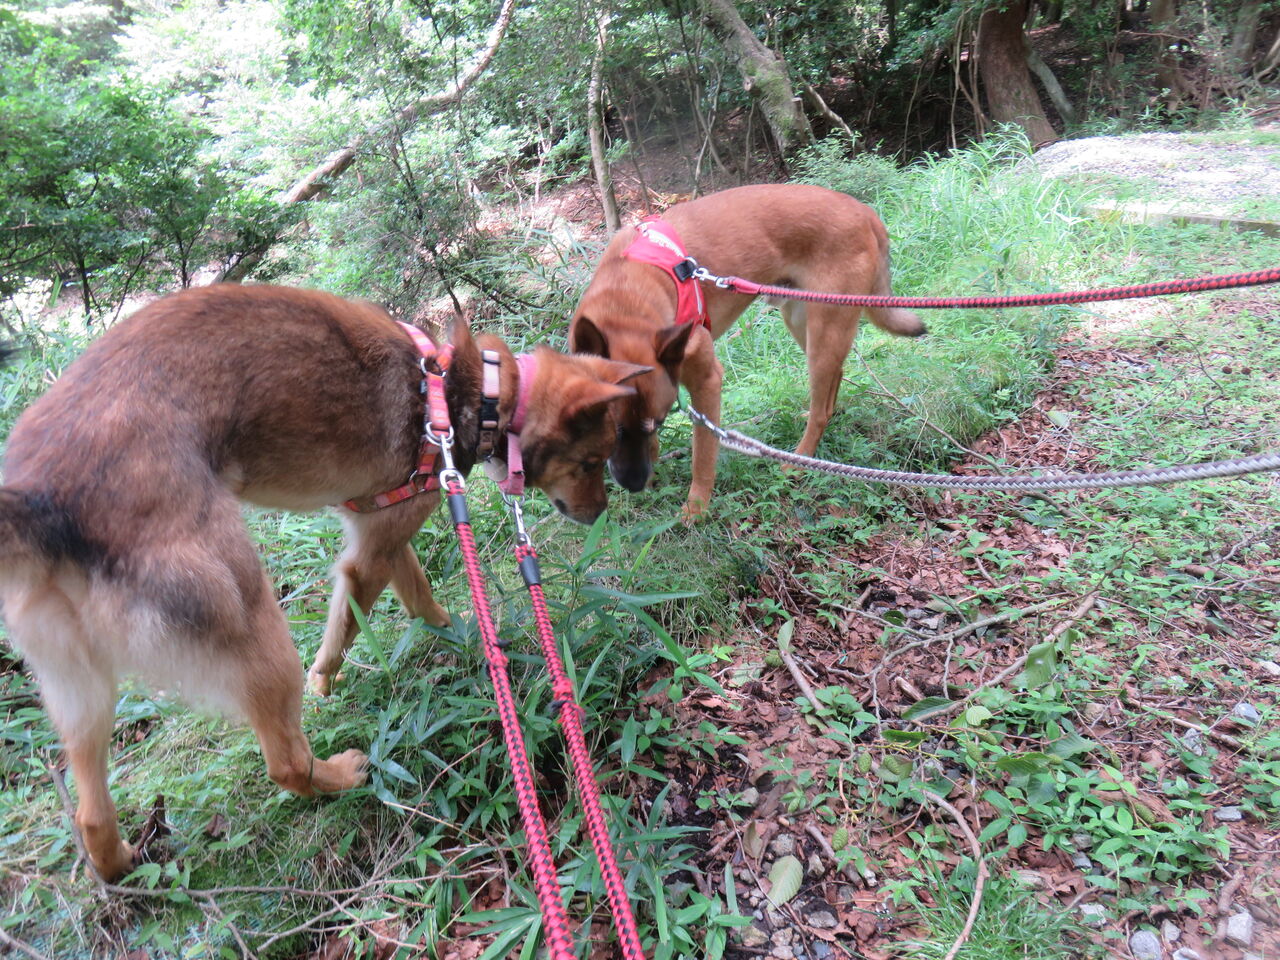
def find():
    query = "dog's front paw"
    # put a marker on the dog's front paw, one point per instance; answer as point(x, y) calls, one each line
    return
point(352, 768)
point(437, 616)
point(694, 510)
point(321, 683)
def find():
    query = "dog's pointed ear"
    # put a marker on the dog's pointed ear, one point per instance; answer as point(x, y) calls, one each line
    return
point(615, 371)
point(669, 346)
point(586, 337)
point(590, 396)
point(459, 333)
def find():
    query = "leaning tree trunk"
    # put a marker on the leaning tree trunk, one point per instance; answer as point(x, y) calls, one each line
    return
point(1002, 64)
point(764, 74)
point(595, 130)
point(337, 163)
point(1164, 14)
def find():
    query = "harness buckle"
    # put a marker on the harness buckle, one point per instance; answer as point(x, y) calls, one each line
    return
point(686, 269)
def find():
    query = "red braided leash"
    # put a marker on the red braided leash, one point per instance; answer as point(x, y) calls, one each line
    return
point(1162, 288)
point(583, 771)
point(546, 883)
point(558, 936)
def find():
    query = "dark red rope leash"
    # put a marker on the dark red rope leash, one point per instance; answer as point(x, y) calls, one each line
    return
point(571, 721)
point(1159, 289)
point(546, 883)
point(558, 935)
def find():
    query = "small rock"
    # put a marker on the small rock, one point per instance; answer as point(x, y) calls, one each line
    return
point(783, 845)
point(1269, 667)
point(822, 919)
point(1247, 712)
point(933, 624)
point(1250, 955)
point(1093, 712)
point(748, 798)
point(820, 950)
point(916, 613)
point(752, 936)
point(782, 952)
point(1228, 814)
point(1145, 945)
point(1193, 740)
point(1031, 878)
point(1170, 932)
point(1093, 915)
point(815, 867)
point(1240, 929)
point(1081, 841)
point(1081, 862)
point(784, 936)
point(1186, 953)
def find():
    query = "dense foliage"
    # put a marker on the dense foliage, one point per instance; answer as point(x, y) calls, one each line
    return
point(146, 142)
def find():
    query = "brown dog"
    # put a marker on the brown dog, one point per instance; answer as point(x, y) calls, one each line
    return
point(777, 234)
point(122, 547)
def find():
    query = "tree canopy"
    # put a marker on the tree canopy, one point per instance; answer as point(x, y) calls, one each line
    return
point(144, 143)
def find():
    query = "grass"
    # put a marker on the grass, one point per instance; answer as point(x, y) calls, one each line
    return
point(665, 628)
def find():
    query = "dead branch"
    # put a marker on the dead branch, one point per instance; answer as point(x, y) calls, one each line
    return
point(976, 903)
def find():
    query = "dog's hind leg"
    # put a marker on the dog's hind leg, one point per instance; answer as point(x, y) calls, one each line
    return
point(378, 552)
point(81, 698)
point(269, 693)
point(829, 338)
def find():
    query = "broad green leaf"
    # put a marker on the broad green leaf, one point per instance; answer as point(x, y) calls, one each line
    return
point(785, 879)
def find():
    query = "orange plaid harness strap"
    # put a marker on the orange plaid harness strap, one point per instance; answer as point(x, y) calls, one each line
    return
point(434, 363)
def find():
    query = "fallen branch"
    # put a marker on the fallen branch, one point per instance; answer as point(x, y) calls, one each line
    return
point(976, 903)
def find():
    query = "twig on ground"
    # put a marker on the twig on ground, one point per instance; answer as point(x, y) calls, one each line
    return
point(13, 943)
point(794, 669)
point(976, 902)
point(850, 870)
point(1223, 738)
point(1059, 629)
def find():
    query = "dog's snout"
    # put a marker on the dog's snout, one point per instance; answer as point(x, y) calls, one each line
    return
point(630, 476)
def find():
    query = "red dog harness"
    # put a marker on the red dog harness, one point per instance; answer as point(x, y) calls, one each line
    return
point(658, 243)
point(435, 362)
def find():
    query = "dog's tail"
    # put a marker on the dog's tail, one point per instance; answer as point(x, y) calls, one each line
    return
point(22, 545)
point(896, 320)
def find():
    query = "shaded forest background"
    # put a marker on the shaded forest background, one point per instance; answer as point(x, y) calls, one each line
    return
point(146, 146)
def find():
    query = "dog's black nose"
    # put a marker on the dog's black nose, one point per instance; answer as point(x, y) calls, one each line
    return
point(630, 476)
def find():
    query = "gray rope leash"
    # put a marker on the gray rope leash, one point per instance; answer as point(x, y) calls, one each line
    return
point(1258, 463)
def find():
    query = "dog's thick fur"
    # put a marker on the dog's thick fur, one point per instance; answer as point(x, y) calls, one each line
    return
point(122, 547)
point(791, 235)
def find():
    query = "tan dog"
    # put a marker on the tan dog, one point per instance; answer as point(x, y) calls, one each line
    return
point(777, 234)
point(122, 547)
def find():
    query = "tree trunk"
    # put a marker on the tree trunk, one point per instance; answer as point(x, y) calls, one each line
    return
point(764, 75)
point(1002, 64)
point(338, 162)
point(1244, 35)
point(595, 129)
point(1168, 69)
point(1051, 85)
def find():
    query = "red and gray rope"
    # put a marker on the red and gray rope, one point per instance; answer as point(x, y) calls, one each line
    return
point(1159, 289)
point(1258, 463)
point(546, 883)
point(583, 771)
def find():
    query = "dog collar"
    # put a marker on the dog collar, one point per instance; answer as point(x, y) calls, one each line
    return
point(657, 243)
point(434, 362)
point(513, 483)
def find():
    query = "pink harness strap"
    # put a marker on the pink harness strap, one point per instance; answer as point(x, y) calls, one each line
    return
point(513, 485)
point(435, 412)
point(657, 243)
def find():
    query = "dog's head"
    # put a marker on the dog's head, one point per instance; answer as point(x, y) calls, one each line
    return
point(571, 426)
point(640, 416)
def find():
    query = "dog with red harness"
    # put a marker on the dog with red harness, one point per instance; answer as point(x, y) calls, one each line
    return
point(644, 306)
